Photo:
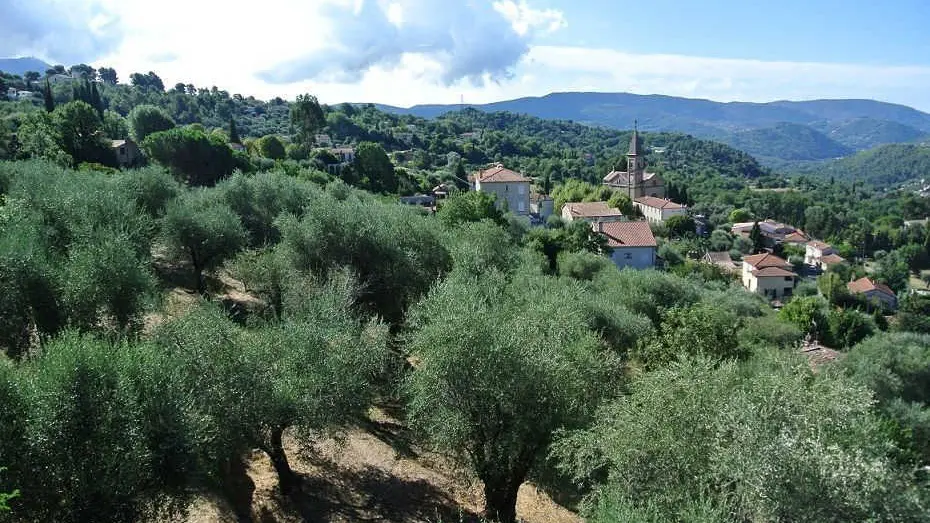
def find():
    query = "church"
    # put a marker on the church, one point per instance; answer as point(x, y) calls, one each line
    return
point(635, 182)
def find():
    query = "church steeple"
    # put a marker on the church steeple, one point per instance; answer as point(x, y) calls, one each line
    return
point(635, 166)
point(634, 142)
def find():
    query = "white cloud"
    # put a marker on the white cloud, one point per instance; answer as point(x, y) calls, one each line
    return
point(525, 19)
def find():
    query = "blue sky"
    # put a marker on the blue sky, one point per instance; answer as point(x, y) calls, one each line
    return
point(405, 52)
point(850, 31)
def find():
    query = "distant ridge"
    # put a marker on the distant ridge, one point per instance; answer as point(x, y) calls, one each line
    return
point(790, 130)
point(20, 66)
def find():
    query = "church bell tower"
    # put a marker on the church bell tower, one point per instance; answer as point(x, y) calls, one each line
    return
point(635, 165)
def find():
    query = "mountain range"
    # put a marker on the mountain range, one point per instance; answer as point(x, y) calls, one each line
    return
point(20, 66)
point(774, 132)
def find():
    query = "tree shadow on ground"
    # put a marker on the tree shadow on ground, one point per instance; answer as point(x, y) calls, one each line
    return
point(369, 495)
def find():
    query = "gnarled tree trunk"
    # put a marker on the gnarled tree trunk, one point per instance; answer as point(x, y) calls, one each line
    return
point(288, 480)
point(500, 499)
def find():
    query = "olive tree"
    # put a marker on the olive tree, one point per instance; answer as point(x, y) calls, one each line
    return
point(202, 229)
point(500, 368)
point(763, 440)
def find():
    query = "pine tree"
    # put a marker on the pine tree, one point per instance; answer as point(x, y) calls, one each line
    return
point(233, 132)
point(47, 94)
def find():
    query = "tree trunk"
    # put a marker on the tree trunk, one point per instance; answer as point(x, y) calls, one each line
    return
point(237, 487)
point(500, 499)
point(288, 480)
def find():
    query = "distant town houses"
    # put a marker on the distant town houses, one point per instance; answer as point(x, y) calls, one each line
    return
point(821, 255)
point(127, 153)
point(632, 244)
point(511, 189)
point(658, 210)
point(541, 208)
point(723, 260)
point(768, 275)
point(591, 212)
point(773, 232)
point(874, 293)
point(635, 182)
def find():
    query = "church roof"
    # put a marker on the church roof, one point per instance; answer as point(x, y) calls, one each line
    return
point(622, 178)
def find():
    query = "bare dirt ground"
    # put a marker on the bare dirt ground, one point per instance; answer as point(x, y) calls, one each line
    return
point(373, 473)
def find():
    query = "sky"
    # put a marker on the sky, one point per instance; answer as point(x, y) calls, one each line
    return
point(406, 52)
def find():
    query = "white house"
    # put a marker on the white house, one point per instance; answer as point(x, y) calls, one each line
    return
point(510, 188)
point(657, 210)
point(591, 212)
point(874, 292)
point(768, 275)
point(632, 243)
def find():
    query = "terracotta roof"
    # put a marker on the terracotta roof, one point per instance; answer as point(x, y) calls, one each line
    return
point(500, 174)
point(864, 285)
point(796, 237)
point(658, 203)
point(768, 272)
point(761, 261)
point(832, 259)
point(817, 244)
point(591, 209)
point(627, 234)
point(623, 178)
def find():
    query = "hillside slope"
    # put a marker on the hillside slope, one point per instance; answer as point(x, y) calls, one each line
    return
point(787, 141)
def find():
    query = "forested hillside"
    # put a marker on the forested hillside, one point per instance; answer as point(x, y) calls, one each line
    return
point(887, 166)
point(757, 128)
point(239, 298)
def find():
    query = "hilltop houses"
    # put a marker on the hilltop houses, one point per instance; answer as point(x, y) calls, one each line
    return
point(874, 293)
point(512, 189)
point(768, 275)
point(773, 232)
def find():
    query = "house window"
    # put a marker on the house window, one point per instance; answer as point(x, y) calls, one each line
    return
point(788, 291)
point(122, 151)
point(506, 188)
point(628, 256)
point(521, 207)
point(789, 278)
point(521, 189)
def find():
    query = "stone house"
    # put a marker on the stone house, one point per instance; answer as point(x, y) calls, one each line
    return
point(511, 189)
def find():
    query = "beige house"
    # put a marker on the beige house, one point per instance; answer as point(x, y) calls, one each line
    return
point(773, 232)
point(591, 212)
point(511, 189)
point(821, 255)
point(127, 153)
point(768, 275)
point(874, 292)
point(635, 181)
point(657, 210)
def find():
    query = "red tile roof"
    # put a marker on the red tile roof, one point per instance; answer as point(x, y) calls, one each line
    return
point(770, 272)
point(796, 237)
point(622, 178)
point(819, 245)
point(832, 259)
point(500, 174)
point(627, 234)
point(591, 209)
point(658, 203)
point(761, 261)
point(864, 285)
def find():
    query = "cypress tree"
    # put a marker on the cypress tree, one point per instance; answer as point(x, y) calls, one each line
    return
point(96, 101)
point(758, 241)
point(47, 94)
point(233, 132)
